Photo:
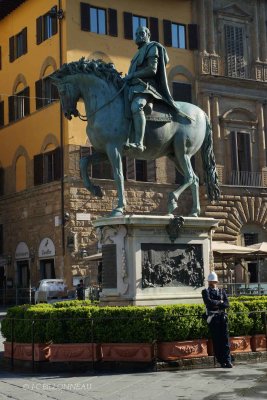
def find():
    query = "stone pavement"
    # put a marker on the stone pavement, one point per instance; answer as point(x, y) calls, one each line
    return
point(246, 381)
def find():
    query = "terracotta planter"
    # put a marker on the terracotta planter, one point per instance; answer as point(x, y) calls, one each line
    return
point(258, 343)
point(240, 344)
point(74, 352)
point(23, 351)
point(170, 351)
point(143, 352)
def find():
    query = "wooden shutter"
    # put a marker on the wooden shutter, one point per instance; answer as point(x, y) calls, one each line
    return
point(2, 181)
point(39, 30)
point(57, 164)
point(154, 28)
point(167, 32)
point(247, 151)
point(54, 92)
point(38, 169)
point(128, 25)
point(11, 111)
point(2, 121)
point(234, 151)
point(130, 168)
point(11, 48)
point(85, 17)
point(193, 36)
point(54, 21)
point(234, 47)
point(112, 22)
point(151, 171)
point(38, 94)
point(26, 94)
point(24, 40)
point(0, 57)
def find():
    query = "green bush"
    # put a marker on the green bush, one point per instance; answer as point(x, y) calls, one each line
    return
point(80, 322)
point(180, 322)
point(239, 321)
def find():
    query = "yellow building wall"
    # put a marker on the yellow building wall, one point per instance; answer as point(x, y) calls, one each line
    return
point(118, 49)
point(30, 131)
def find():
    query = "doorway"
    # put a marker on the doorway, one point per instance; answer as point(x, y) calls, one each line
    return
point(47, 269)
point(23, 274)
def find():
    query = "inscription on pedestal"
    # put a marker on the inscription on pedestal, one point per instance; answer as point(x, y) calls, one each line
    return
point(172, 265)
point(109, 262)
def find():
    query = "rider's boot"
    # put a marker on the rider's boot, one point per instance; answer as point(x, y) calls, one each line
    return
point(139, 121)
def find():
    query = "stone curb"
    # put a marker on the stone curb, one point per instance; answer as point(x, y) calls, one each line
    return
point(184, 364)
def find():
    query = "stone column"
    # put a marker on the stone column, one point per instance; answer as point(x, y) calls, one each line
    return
point(216, 129)
point(261, 136)
point(206, 104)
point(263, 31)
point(202, 25)
point(211, 47)
point(256, 33)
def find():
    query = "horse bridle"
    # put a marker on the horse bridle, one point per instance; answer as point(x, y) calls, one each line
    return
point(85, 118)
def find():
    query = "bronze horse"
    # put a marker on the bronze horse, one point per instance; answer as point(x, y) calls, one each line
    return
point(100, 86)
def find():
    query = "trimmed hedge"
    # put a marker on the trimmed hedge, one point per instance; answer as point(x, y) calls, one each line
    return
point(80, 322)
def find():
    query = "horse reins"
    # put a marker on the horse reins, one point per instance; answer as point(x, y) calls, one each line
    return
point(85, 118)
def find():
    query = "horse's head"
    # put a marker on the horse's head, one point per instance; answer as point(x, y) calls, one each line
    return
point(69, 94)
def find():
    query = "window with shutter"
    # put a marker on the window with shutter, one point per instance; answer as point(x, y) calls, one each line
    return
point(138, 21)
point(46, 25)
point(182, 92)
point(38, 94)
point(45, 92)
point(18, 45)
point(21, 104)
point(141, 170)
point(234, 51)
point(47, 167)
point(151, 170)
point(242, 160)
point(2, 120)
point(130, 168)
point(167, 32)
point(174, 34)
point(94, 19)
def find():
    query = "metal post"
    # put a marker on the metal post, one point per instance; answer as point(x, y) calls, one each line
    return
point(12, 343)
point(33, 323)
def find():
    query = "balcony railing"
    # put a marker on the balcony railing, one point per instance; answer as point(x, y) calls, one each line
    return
point(245, 178)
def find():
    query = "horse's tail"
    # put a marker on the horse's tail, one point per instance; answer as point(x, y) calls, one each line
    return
point(208, 159)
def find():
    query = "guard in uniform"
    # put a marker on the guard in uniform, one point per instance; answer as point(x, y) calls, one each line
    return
point(216, 303)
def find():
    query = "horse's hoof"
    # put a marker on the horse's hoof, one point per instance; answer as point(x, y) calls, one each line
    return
point(117, 212)
point(97, 191)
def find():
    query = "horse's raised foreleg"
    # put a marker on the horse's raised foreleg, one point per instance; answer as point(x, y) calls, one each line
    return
point(190, 179)
point(85, 162)
point(115, 159)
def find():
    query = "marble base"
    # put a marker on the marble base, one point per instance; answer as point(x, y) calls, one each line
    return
point(149, 260)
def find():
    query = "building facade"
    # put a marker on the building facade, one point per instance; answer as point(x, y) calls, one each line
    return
point(218, 60)
point(45, 213)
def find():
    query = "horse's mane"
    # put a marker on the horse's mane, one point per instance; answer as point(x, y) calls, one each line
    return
point(100, 68)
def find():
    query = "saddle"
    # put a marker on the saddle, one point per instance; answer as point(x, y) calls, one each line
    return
point(158, 112)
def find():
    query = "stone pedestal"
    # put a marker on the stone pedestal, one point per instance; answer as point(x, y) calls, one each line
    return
point(152, 260)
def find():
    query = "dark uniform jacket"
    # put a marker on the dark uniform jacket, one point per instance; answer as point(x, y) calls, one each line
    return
point(215, 299)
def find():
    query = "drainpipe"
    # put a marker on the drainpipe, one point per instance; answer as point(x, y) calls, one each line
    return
point(60, 16)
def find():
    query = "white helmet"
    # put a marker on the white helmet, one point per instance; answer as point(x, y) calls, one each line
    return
point(213, 277)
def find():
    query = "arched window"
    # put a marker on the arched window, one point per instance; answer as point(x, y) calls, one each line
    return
point(19, 102)
point(20, 174)
point(47, 165)
point(45, 92)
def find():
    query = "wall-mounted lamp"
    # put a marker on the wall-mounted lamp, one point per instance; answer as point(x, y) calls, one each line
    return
point(83, 253)
point(9, 259)
point(54, 13)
